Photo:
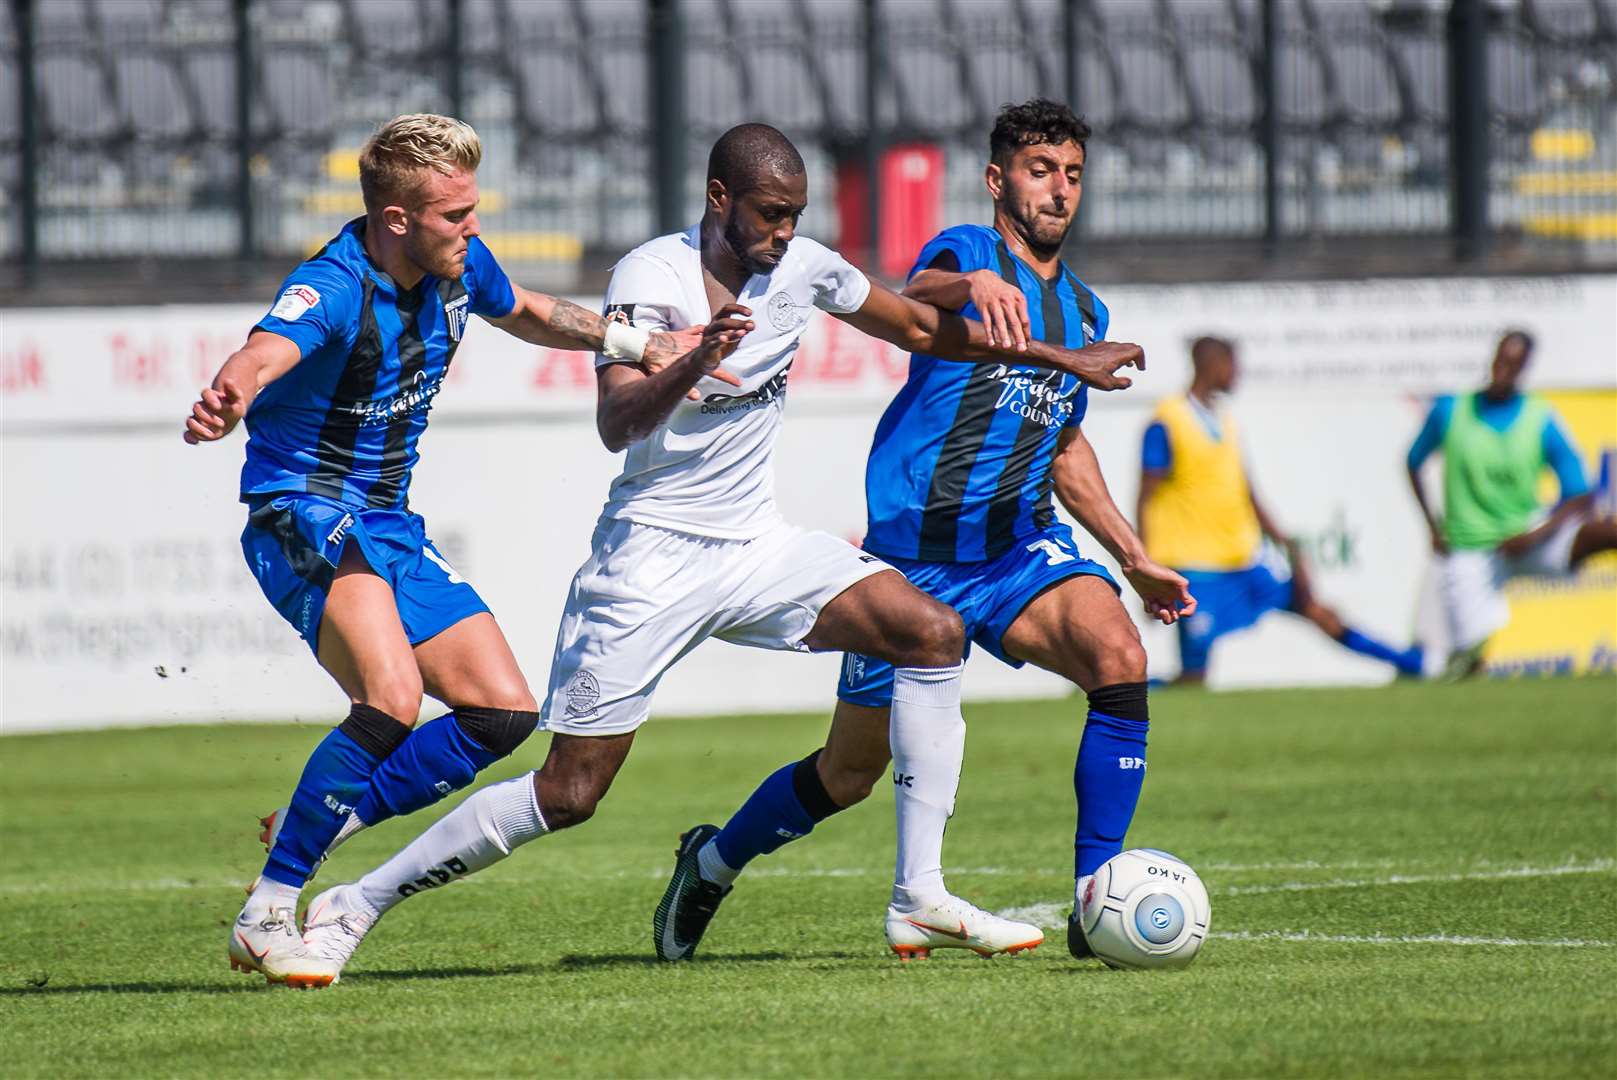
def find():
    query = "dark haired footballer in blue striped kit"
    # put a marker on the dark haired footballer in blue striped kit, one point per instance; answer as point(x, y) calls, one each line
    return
point(961, 466)
point(959, 487)
point(335, 385)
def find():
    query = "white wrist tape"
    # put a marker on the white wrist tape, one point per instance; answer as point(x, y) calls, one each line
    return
point(624, 342)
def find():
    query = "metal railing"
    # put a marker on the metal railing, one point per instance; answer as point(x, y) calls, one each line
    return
point(157, 129)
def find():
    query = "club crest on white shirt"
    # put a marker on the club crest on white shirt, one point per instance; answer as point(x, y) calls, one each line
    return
point(784, 314)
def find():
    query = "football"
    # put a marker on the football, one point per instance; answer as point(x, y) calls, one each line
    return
point(1143, 909)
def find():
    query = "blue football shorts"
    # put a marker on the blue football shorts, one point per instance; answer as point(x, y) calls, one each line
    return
point(293, 544)
point(989, 595)
point(1227, 601)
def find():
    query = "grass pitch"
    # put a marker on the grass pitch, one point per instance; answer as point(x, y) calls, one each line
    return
point(1415, 881)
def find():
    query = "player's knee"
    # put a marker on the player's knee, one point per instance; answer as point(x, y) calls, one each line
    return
point(1122, 659)
point(398, 694)
point(850, 782)
point(566, 805)
point(499, 731)
point(510, 694)
point(937, 637)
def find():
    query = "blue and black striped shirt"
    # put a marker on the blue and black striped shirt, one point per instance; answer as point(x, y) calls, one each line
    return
point(960, 469)
point(345, 421)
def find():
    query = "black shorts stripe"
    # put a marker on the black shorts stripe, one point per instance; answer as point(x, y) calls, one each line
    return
point(305, 561)
point(412, 349)
point(339, 434)
point(1006, 504)
point(940, 521)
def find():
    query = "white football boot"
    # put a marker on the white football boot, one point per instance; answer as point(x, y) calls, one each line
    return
point(268, 942)
point(955, 924)
point(336, 922)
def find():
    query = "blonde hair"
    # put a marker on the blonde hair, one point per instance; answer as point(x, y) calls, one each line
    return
point(393, 160)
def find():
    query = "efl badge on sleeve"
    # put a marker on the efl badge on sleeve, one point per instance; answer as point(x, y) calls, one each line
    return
point(294, 302)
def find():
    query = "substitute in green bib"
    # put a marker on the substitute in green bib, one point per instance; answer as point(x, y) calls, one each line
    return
point(1496, 442)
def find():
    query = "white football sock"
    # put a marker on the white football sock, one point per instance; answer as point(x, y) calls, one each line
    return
point(478, 833)
point(928, 739)
point(350, 825)
point(269, 894)
point(711, 865)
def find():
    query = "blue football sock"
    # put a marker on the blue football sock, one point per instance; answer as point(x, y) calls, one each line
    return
point(1109, 773)
point(441, 757)
point(1407, 661)
point(438, 758)
point(786, 807)
point(334, 780)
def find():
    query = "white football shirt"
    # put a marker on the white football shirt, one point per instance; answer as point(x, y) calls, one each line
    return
point(708, 469)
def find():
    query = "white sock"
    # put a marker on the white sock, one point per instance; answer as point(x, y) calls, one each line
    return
point(928, 739)
point(350, 825)
point(478, 833)
point(269, 894)
point(711, 865)
point(1078, 891)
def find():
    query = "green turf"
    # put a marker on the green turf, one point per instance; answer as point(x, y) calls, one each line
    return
point(1481, 813)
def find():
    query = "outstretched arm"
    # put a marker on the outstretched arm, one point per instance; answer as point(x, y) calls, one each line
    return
point(630, 403)
point(561, 324)
point(264, 358)
point(1003, 306)
point(918, 327)
point(1082, 490)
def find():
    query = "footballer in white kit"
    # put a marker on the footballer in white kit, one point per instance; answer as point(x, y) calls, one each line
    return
point(691, 546)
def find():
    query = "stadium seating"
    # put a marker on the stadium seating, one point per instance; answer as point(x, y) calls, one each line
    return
point(139, 95)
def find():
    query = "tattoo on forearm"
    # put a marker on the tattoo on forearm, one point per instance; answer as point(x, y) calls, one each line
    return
point(580, 324)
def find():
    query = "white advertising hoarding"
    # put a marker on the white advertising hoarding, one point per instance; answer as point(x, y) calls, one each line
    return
point(125, 599)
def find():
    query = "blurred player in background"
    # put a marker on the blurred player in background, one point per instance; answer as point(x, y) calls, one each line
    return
point(1198, 513)
point(691, 546)
point(958, 490)
point(1496, 443)
point(335, 385)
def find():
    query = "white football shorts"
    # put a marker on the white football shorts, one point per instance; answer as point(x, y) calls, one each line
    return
point(646, 596)
point(1473, 583)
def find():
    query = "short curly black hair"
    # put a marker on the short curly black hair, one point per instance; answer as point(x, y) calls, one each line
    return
point(1031, 123)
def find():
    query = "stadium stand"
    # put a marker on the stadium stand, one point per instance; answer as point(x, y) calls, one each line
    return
point(138, 117)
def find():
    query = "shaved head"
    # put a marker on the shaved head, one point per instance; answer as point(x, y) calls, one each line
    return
point(747, 154)
point(1205, 350)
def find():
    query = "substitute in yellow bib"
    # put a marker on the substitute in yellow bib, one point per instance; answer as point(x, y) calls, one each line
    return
point(1198, 515)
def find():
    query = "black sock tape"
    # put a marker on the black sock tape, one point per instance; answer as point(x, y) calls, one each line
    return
point(499, 731)
point(1126, 701)
point(810, 789)
point(377, 733)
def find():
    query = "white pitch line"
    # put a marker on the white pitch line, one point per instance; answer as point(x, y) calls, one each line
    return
point(1598, 866)
point(28, 888)
point(1052, 916)
point(1407, 939)
point(658, 873)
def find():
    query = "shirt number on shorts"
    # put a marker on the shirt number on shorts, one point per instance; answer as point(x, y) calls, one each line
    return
point(454, 576)
point(1054, 554)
